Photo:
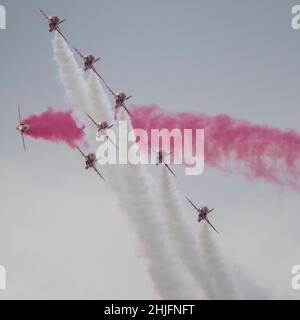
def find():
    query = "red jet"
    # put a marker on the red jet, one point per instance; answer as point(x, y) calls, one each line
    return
point(120, 98)
point(54, 23)
point(202, 213)
point(88, 59)
point(90, 162)
point(22, 128)
point(102, 127)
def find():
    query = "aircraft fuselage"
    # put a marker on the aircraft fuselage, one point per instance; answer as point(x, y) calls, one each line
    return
point(23, 127)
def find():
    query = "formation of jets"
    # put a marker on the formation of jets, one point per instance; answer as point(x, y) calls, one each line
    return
point(202, 211)
point(120, 99)
point(89, 62)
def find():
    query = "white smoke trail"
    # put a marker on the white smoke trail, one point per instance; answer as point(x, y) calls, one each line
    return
point(216, 265)
point(185, 240)
point(73, 81)
point(101, 107)
point(130, 182)
point(249, 288)
point(134, 194)
point(132, 185)
point(140, 203)
point(230, 281)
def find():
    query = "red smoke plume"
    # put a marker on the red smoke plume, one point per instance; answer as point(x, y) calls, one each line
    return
point(256, 151)
point(55, 126)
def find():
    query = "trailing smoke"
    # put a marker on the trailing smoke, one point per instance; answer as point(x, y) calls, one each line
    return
point(216, 264)
point(255, 151)
point(54, 126)
point(74, 83)
point(140, 204)
point(101, 107)
point(134, 188)
point(181, 232)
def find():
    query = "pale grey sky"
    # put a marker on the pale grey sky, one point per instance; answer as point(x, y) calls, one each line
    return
point(62, 234)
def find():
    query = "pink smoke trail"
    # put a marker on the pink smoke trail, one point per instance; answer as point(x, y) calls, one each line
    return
point(55, 126)
point(256, 151)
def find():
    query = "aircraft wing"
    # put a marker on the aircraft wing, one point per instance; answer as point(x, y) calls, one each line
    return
point(44, 14)
point(20, 118)
point(173, 173)
point(62, 21)
point(123, 105)
point(211, 225)
point(111, 126)
point(127, 98)
point(210, 210)
point(81, 152)
point(81, 55)
point(59, 31)
point(112, 142)
point(191, 203)
point(23, 140)
point(106, 85)
point(99, 173)
point(94, 122)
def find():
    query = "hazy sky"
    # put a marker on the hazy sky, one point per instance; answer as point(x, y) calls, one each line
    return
point(62, 232)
